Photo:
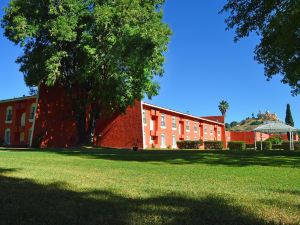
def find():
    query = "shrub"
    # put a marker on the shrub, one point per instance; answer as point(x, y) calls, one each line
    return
point(266, 145)
point(277, 146)
point(236, 145)
point(250, 146)
point(297, 145)
point(189, 144)
point(255, 123)
point(213, 145)
point(277, 140)
point(286, 145)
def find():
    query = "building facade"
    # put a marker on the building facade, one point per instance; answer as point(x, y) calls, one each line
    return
point(162, 127)
point(17, 120)
point(48, 119)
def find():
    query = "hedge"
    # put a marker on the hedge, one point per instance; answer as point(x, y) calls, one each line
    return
point(213, 145)
point(236, 145)
point(189, 144)
point(266, 145)
point(277, 147)
point(286, 145)
point(250, 146)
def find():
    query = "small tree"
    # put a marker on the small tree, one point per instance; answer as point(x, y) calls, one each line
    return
point(223, 107)
point(288, 116)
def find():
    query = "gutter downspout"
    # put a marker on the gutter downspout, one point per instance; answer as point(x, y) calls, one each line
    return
point(33, 123)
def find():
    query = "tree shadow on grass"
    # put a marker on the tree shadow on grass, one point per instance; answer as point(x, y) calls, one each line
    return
point(25, 202)
point(228, 158)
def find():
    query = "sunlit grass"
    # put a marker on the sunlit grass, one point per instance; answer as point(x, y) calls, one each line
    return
point(151, 187)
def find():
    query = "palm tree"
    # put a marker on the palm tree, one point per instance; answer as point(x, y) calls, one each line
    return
point(223, 107)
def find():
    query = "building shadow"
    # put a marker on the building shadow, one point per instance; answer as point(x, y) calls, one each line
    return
point(227, 158)
point(24, 202)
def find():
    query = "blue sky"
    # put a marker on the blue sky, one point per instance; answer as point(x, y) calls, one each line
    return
point(203, 66)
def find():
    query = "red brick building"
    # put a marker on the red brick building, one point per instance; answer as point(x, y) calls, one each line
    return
point(17, 120)
point(49, 119)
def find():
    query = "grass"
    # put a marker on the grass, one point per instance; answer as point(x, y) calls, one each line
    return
point(152, 187)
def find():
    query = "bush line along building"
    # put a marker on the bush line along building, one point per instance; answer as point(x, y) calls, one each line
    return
point(47, 120)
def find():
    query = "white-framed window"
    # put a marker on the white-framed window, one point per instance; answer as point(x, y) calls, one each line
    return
point(187, 138)
point(195, 127)
point(22, 137)
point(145, 139)
point(9, 111)
point(205, 129)
point(187, 126)
point(211, 130)
point(163, 120)
point(174, 142)
point(219, 131)
point(174, 126)
point(7, 136)
point(32, 111)
point(163, 141)
point(196, 138)
point(23, 119)
point(144, 117)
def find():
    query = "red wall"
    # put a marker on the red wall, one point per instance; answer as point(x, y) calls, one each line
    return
point(121, 131)
point(56, 125)
point(248, 136)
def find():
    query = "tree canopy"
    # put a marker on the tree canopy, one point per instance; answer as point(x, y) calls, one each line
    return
point(223, 107)
point(277, 23)
point(108, 50)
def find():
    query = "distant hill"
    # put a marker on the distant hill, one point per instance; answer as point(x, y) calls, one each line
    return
point(248, 124)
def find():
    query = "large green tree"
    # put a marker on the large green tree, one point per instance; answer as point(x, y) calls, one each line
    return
point(277, 23)
point(104, 53)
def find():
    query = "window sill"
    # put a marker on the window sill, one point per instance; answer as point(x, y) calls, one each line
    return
point(30, 120)
point(163, 146)
point(174, 128)
point(8, 121)
point(162, 127)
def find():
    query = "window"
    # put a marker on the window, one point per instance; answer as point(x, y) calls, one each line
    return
point(29, 135)
point(174, 122)
point(219, 131)
point(174, 141)
point(145, 140)
point(195, 127)
point(163, 121)
point(32, 111)
point(22, 137)
point(23, 120)
point(9, 114)
point(163, 141)
point(144, 117)
point(187, 125)
point(211, 130)
point(187, 138)
point(7, 136)
point(205, 129)
point(196, 138)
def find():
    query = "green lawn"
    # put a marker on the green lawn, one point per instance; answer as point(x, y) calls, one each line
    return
point(151, 187)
